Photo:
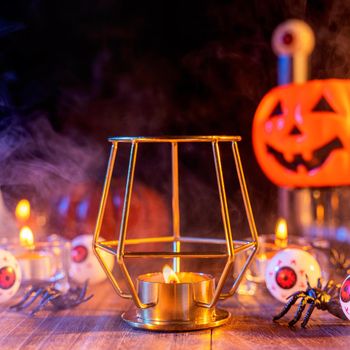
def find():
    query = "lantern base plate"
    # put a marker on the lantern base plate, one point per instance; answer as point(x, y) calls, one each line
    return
point(130, 317)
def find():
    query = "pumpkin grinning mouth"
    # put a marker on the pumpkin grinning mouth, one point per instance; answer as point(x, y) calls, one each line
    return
point(319, 156)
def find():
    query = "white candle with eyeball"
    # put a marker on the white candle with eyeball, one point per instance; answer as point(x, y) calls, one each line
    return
point(288, 272)
point(84, 264)
point(270, 245)
point(293, 42)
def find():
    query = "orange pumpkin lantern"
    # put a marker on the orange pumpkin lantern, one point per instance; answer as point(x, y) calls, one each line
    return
point(301, 134)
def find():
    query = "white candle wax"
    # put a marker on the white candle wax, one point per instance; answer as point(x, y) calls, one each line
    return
point(35, 265)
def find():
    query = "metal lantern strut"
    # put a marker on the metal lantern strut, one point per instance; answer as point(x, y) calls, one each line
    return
point(202, 312)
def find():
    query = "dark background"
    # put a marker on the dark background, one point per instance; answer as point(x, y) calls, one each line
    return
point(105, 68)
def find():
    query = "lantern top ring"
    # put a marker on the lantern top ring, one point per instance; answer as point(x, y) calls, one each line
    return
point(221, 138)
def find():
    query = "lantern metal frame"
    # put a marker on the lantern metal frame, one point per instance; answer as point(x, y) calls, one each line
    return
point(117, 247)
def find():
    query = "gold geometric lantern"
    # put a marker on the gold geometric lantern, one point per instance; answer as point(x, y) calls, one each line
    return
point(187, 302)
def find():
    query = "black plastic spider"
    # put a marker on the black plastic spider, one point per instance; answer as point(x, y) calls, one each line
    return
point(326, 298)
point(50, 294)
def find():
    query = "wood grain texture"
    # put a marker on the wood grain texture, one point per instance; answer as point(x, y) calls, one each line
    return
point(98, 325)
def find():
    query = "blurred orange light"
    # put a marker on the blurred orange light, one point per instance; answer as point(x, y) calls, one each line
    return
point(26, 236)
point(23, 210)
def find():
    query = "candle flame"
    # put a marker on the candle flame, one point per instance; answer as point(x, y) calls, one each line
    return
point(26, 237)
point(281, 234)
point(23, 210)
point(169, 275)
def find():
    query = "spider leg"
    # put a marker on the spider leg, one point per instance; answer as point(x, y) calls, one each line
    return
point(332, 291)
point(335, 309)
point(48, 297)
point(40, 305)
point(83, 290)
point(300, 310)
point(331, 288)
point(337, 290)
point(24, 299)
point(25, 303)
point(293, 298)
point(307, 281)
point(74, 298)
point(84, 300)
point(308, 314)
point(79, 290)
point(81, 296)
point(80, 301)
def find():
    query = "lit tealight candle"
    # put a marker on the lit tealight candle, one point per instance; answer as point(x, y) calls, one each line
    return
point(35, 265)
point(270, 245)
point(281, 234)
point(176, 301)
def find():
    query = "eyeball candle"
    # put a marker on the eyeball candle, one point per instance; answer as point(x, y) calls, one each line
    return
point(344, 296)
point(10, 276)
point(293, 42)
point(84, 264)
point(286, 272)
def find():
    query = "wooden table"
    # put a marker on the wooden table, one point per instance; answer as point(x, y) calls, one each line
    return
point(97, 325)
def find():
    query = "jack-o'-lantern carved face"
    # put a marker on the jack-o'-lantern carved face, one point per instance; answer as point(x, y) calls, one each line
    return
point(301, 134)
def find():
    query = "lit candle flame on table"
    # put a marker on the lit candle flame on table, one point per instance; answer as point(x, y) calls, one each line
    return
point(281, 234)
point(26, 237)
point(169, 275)
point(23, 210)
point(35, 265)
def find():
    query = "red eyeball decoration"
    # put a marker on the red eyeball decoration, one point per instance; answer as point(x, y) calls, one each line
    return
point(344, 296)
point(79, 254)
point(286, 272)
point(10, 276)
point(84, 264)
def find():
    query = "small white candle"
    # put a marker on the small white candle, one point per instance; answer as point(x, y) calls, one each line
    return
point(293, 42)
point(35, 265)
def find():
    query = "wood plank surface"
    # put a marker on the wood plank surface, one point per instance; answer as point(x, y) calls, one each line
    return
point(97, 324)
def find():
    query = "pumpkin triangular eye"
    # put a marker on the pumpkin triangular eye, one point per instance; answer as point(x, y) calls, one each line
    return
point(323, 106)
point(277, 110)
point(295, 131)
